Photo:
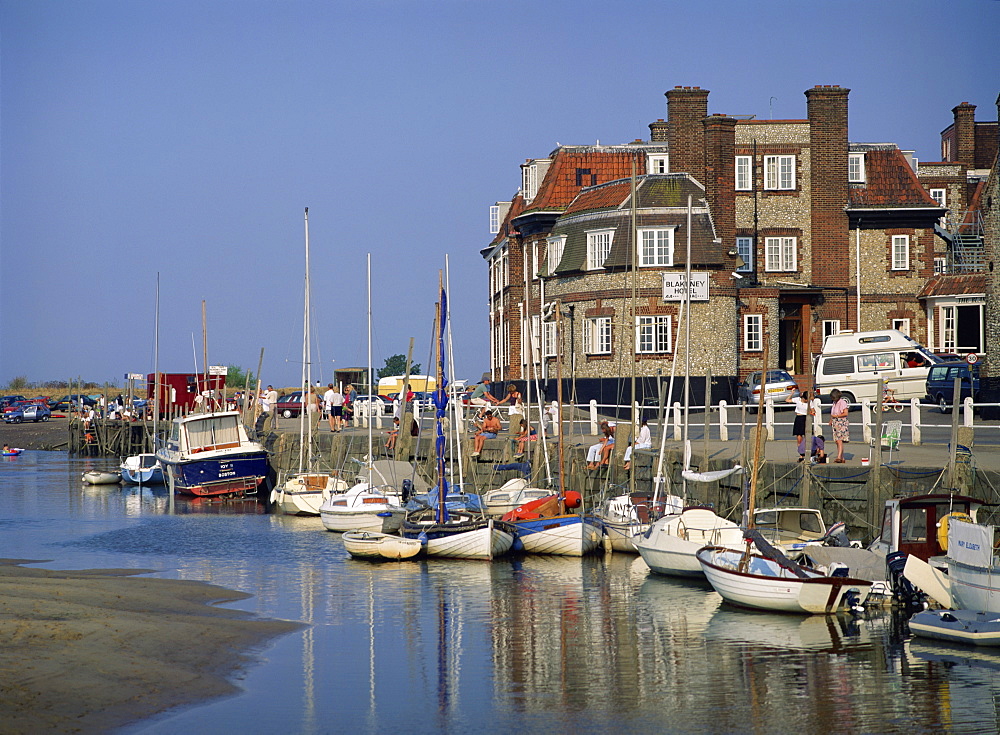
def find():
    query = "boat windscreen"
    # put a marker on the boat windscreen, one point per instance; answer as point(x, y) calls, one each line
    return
point(213, 431)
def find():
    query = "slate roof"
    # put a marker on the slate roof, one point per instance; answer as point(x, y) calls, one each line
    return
point(661, 202)
point(890, 183)
point(956, 285)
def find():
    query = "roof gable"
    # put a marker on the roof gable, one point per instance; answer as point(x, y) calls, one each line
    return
point(889, 183)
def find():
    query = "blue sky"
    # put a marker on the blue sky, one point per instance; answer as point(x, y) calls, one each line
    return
point(186, 138)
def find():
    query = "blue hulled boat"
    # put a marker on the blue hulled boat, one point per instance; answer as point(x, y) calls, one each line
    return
point(210, 454)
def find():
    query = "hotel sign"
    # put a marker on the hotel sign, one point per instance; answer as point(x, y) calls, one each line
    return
point(673, 286)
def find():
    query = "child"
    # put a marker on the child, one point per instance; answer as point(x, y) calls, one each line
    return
point(525, 434)
point(393, 433)
point(819, 449)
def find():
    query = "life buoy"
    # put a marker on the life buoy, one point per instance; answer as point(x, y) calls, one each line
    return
point(942, 526)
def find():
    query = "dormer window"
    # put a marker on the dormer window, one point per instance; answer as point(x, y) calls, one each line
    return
point(856, 168)
point(598, 248)
point(494, 219)
point(658, 163)
point(529, 181)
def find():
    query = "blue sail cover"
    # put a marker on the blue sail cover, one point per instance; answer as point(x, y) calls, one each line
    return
point(441, 404)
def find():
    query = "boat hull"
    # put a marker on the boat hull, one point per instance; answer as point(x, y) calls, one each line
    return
point(384, 521)
point(763, 584)
point(461, 537)
point(566, 535)
point(671, 555)
point(959, 626)
point(974, 587)
point(232, 474)
point(101, 478)
point(669, 546)
point(147, 476)
point(303, 495)
point(380, 546)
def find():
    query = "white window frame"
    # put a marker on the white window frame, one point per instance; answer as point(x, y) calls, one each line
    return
point(779, 173)
point(653, 334)
point(549, 339)
point(900, 252)
point(744, 248)
point(830, 326)
point(780, 254)
point(656, 246)
point(903, 325)
point(529, 181)
point(940, 265)
point(940, 196)
point(597, 335)
point(658, 163)
point(856, 168)
point(598, 248)
point(949, 328)
point(553, 252)
point(744, 173)
point(753, 332)
point(494, 219)
point(535, 341)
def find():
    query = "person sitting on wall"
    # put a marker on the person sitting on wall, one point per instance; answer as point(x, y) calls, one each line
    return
point(489, 430)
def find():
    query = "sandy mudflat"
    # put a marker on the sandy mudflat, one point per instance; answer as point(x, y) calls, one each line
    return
point(87, 651)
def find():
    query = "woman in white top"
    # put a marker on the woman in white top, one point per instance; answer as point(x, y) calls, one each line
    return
point(801, 402)
point(643, 441)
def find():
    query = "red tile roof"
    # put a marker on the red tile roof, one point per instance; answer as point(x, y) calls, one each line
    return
point(889, 183)
point(605, 164)
point(957, 285)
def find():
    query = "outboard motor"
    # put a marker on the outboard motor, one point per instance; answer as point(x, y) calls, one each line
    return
point(836, 535)
point(902, 590)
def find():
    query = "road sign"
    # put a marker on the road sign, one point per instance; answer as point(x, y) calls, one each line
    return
point(972, 358)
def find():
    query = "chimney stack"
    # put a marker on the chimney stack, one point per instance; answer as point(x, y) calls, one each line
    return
point(720, 174)
point(686, 108)
point(659, 132)
point(827, 106)
point(965, 134)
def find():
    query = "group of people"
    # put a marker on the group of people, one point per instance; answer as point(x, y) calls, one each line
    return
point(839, 423)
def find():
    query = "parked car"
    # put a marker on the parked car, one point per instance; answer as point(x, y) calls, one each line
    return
point(780, 386)
point(71, 401)
point(290, 404)
point(8, 401)
point(27, 411)
point(941, 383)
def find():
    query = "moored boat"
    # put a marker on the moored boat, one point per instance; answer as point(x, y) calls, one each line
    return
point(959, 626)
point(510, 495)
point(779, 585)
point(670, 544)
point(98, 477)
point(210, 454)
point(363, 507)
point(380, 546)
point(303, 494)
point(543, 526)
point(142, 469)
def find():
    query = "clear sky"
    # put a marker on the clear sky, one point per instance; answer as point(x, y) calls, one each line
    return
point(186, 138)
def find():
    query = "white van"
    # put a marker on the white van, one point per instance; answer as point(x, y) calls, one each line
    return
point(855, 362)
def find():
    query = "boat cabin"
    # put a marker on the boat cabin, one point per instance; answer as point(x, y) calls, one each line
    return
point(912, 525)
point(789, 526)
point(211, 432)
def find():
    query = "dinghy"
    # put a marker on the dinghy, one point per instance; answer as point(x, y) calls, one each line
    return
point(380, 546)
point(960, 626)
point(96, 477)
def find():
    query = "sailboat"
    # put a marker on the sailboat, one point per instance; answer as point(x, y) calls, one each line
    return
point(145, 468)
point(767, 579)
point(668, 546)
point(452, 533)
point(547, 525)
point(305, 491)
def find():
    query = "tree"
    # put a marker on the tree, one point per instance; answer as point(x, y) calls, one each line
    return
point(396, 365)
point(237, 378)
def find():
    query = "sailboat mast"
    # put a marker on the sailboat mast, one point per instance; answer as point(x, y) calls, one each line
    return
point(440, 400)
point(559, 401)
point(305, 357)
point(156, 367)
point(371, 379)
point(634, 256)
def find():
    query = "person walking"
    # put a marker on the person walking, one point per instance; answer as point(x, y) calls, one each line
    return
point(802, 406)
point(841, 426)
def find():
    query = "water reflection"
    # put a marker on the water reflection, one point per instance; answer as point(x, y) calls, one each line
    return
point(532, 643)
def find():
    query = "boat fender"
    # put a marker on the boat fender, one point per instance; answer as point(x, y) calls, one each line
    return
point(942, 526)
point(572, 499)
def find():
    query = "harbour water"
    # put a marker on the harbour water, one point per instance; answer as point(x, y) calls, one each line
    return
point(529, 644)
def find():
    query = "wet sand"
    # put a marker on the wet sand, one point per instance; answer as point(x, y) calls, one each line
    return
point(91, 650)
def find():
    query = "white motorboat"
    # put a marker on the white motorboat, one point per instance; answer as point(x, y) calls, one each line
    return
point(363, 507)
point(626, 516)
point(142, 469)
point(380, 546)
point(670, 544)
point(755, 581)
point(304, 493)
point(973, 571)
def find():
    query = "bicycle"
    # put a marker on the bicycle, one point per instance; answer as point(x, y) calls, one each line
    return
point(889, 402)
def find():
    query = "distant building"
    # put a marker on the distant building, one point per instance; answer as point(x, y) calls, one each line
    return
point(796, 233)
